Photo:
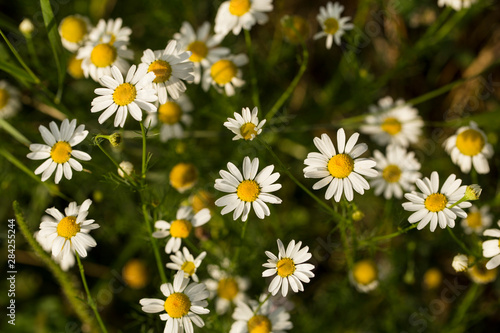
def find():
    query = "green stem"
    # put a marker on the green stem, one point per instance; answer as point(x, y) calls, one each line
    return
point(261, 304)
point(31, 51)
point(14, 132)
point(343, 234)
point(459, 242)
point(389, 236)
point(21, 61)
point(255, 90)
point(468, 300)
point(473, 175)
point(128, 177)
point(143, 174)
point(154, 244)
point(90, 300)
point(238, 248)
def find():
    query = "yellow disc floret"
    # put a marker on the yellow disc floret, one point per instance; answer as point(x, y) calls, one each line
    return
point(162, 70)
point(169, 113)
point(4, 98)
point(75, 67)
point(227, 288)
point(202, 199)
point(183, 176)
point(474, 220)
point(391, 126)
point(135, 274)
point(223, 71)
point(285, 267)
point(248, 131)
point(391, 173)
point(364, 272)
point(436, 202)
point(470, 142)
point(239, 7)
point(248, 190)
point(177, 305)
point(188, 267)
point(103, 55)
point(61, 152)
point(340, 165)
point(73, 29)
point(331, 25)
point(199, 51)
point(68, 227)
point(259, 324)
point(124, 94)
point(180, 228)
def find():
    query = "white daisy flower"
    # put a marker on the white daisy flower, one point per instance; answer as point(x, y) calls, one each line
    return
point(245, 126)
point(225, 74)
point(469, 146)
point(111, 30)
point(491, 248)
point(185, 302)
point(364, 276)
point(184, 261)
point(9, 100)
point(342, 171)
point(234, 15)
point(203, 47)
point(480, 274)
point(58, 150)
point(435, 206)
point(74, 30)
point(181, 227)
point(268, 318)
point(290, 268)
point(456, 4)
point(460, 263)
point(332, 24)
point(248, 189)
point(131, 96)
point(65, 261)
point(398, 172)
point(69, 232)
point(170, 67)
point(477, 220)
point(393, 122)
point(172, 116)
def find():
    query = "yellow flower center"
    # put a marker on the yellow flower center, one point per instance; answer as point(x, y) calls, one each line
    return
point(180, 228)
point(61, 152)
point(162, 70)
point(73, 29)
point(188, 267)
point(124, 94)
point(169, 113)
point(223, 71)
point(331, 25)
point(248, 190)
point(364, 272)
point(199, 51)
point(75, 67)
point(474, 220)
point(177, 305)
point(202, 199)
point(183, 175)
point(103, 55)
point(480, 274)
point(259, 324)
point(248, 131)
point(391, 126)
point(68, 227)
point(4, 98)
point(285, 267)
point(436, 202)
point(239, 7)
point(470, 142)
point(391, 173)
point(432, 278)
point(227, 288)
point(135, 273)
point(340, 165)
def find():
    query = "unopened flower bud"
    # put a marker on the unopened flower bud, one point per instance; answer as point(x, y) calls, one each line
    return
point(460, 263)
point(115, 139)
point(472, 192)
point(26, 27)
point(358, 215)
point(127, 167)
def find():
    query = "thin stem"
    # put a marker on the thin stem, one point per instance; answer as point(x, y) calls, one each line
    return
point(459, 242)
point(238, 249)
point(90, 300)
point(128, 177)
point(343, 234)
point(389, 236)
point(261, 304)
point(143, 131)
point(473, 175)
point(21, 61)
point(255, 90)
point(31, 51)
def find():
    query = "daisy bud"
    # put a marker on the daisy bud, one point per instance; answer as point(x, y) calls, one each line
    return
point(127, 167)
point(115, 139)
point(26, 27)
point(472, 192)
point(460, 263)
point(358, 215)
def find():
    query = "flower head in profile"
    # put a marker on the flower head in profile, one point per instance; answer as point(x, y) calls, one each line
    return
point(235, 15)
point(183, 304)
point(246, 126)
point(477, 220)
point(9, 100)
point(225, 74)
point(111, 30)
point(364, 276)
point(341, 170)
point(479, 273)
point(74, 30)
point(333, 25)
point(247, 190)
point(434, 205)
point(58, 151)
point(491, 248)
point(456, 4)
point(184, 261)
point(460, 263)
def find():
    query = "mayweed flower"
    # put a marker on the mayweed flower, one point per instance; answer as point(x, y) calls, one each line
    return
point(460, 263)
point(74, 30)
point(456, 4)
point(393, 122)
point(491, 248)
point(58, 150)
point(184, 261)
point(477, 220)
point(185, 302)
point(180, 227)
point(364, 276)
point(234, 15)
point(398, 171)
point(135, 273)
point(111, 30)
point(469, 146)
point(121, 97)
point(170, 66)
point(183, 176)
point(65, 261)
point(480, 274)
point(332, 24)
point(436, 206)
point(74, 67)
point(432, 278)
point(245, 126)
point(69, 232)
point(9, 100)
point(225, 73)
point(250, 318)
point(341, 171)
point(202, 199)
point(290, 268)
point(126, 168)
point(203, 47)
point(248, 189)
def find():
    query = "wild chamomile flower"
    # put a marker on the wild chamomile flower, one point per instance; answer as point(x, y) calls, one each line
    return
point(126, 168)
point(65, 260)
point(183, 176)
point(170, 66)
point(202, 199)
point(74, 67)
point(433, 205)
point(121, 97)
point(477, 220)
point(234, 15)
point(203, 47)
point(491, 248)
point(480, 274)
point(460, 263)
point(245, 126)
point(364, 276)
point(58, 150)
point(171, 117)
point(111, 30)
point(135, 273)
point(181, 227)
point(250, 318)
point(332, 24)
point(468, 147)
point(9, 100)
point(393, 122)
point(248, 189)
point(398, 171)
point(225, 74)
point(74, 30)
point(456, 4)
point(183, 304)
point(184, 261)
point(290, 268)
point(69, 232)
point(341, 171)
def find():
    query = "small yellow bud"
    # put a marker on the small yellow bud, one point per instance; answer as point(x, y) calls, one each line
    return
point(473, 192)
point(358, 215)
